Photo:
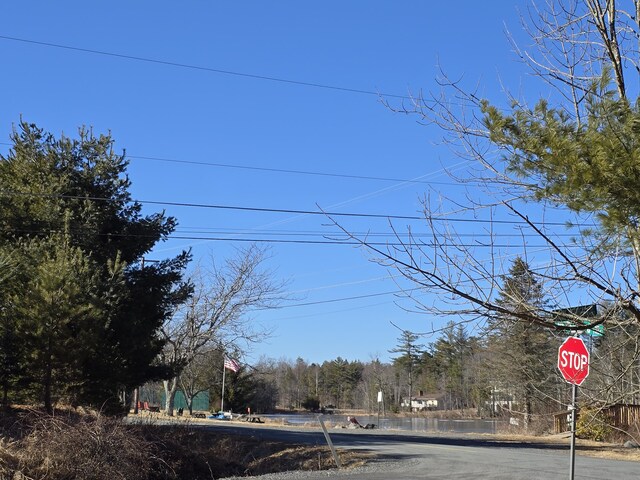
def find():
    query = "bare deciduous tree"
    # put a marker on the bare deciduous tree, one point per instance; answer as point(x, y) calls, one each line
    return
point(218, 313)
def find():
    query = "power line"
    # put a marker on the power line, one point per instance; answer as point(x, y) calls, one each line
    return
point(201, 68)
point(344, 299)
point(471, 280)
point(296, 172)
point(284, 170)
point(289, 171)
point(346, 241)
point(215, 206)
point(279, 210)
point(369, 234)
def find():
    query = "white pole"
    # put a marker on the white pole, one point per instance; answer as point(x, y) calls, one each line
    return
point(224, 371)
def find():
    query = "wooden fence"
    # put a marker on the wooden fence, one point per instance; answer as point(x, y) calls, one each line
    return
point(619, 416)
point(561, 422)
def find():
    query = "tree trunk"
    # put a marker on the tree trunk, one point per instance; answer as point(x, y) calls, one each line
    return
point(48, 379)
point(48, 404)
point(527, 409)
point(170, 387)
point(188, 397)
point(410, 391)
point(5, 395)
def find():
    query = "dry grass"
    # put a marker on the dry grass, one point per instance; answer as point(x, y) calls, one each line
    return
point(37, 446)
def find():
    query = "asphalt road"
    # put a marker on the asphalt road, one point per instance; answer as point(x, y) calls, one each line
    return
point(437, 456)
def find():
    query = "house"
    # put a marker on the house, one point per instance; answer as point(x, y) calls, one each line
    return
point(502, 400)
point(423, 402)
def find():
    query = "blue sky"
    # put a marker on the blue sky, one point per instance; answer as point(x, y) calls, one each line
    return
point(173, 101)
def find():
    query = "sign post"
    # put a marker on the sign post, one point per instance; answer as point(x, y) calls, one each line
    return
point(573, 363)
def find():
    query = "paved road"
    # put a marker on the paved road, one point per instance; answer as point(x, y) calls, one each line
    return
point(439, 456)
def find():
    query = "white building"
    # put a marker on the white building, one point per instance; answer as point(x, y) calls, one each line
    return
point(423, 402)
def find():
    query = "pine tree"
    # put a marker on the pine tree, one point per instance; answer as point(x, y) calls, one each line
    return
point(55, 318)
point(452, 354)
point(10, 364)
point(409, 360)
point(67, 214)
point(520, 354)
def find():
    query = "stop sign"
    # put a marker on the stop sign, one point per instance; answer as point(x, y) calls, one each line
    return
point(573, 360)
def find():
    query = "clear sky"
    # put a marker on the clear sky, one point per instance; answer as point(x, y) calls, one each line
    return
point(189, 89)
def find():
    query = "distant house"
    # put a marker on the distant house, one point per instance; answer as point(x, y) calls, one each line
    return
point(423, 402)
point(501, 401)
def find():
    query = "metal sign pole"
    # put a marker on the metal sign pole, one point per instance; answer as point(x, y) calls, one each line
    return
point(330, 443)
point(573, 363)
point(572, 463)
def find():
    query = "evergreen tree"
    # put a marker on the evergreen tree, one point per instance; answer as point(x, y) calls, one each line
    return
point(522, 354)
point(10, 364)
point(341, 378)
point(409, 359)
point(452, 354)
point(55, 318)
point(590, 165)
point(66, 213)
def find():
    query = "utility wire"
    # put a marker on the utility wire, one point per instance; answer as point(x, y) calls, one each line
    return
point(302, 233)
point(278, 210)
point(297, 172)
point(290, 171)
point(344, 299)
point(202, 68)
point(345, 241)
point(284, 170)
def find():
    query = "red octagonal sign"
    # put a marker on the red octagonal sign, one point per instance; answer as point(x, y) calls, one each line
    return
point(573, 360)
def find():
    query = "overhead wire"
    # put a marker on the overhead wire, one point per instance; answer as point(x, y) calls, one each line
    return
point(346, 241)
point(281, 210)
point(202, 68)
point(284, 170)
point(369, 234)
point(290, 171)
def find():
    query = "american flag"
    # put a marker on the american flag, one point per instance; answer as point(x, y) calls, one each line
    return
point(231, 364)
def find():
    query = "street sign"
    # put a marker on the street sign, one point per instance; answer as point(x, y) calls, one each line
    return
point(573, 360)
point(578, 316)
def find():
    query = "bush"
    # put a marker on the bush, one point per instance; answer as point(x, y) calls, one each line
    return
point(592, 424)
point(95, 447)
point(311, 403)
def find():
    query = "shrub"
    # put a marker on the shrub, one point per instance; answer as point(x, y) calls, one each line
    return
point(592, 424)
point(311, 404)
point(95, 447)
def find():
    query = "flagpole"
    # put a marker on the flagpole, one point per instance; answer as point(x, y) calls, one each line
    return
point(224, 371)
